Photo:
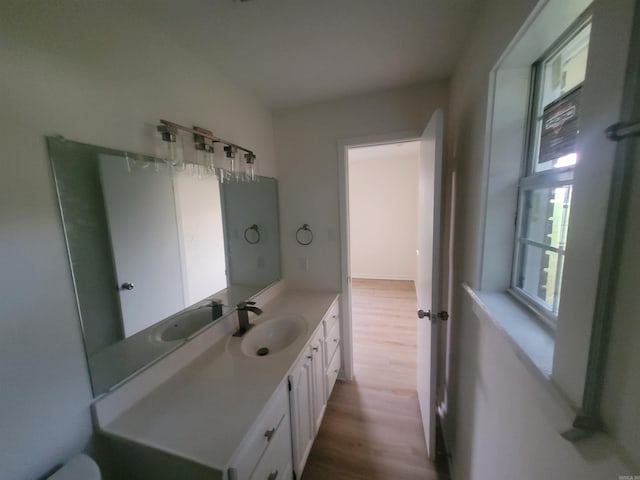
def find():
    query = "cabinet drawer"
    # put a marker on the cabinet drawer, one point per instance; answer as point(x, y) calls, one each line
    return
point(331, 318)
point(332, 373)
point(262, 434)
point(332, 341)
point(275, 464)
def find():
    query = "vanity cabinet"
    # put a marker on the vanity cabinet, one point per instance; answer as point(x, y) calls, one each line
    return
point(301, 385)
point(224, 423)
point(331, 325)
point(317, 346)
point(266, 451)
point(310, 382)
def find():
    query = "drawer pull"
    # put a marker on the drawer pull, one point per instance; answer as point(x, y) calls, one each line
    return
point(269, 434)
point(273, 476)
point(309, 357)
point(335, 371)
point(335, 340)
point(315, 349)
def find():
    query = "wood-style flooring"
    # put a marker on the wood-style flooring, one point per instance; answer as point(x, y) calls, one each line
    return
point(371, 428)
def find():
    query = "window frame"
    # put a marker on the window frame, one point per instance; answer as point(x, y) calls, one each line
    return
point(530, 180)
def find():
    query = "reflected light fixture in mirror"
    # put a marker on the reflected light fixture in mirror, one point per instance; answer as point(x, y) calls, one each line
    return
point(173, 152)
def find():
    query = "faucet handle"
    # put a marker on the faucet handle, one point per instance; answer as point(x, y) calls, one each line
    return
point(245, 304)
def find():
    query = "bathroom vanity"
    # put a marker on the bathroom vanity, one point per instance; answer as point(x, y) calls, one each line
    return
point(215, 408)
point(162, 258)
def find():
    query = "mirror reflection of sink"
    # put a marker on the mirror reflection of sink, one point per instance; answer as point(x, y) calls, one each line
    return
point(272, 335)
point(186, 324)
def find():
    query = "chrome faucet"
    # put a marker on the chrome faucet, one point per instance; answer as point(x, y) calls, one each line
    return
point(243, 317)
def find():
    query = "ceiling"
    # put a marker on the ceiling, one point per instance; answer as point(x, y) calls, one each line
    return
point(294, 52)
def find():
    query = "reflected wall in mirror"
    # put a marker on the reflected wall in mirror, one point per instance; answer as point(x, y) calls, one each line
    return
point(157, 255)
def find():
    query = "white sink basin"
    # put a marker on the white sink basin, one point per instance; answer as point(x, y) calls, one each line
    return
point(272, 336)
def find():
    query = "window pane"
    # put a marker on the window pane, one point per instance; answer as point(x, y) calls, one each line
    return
point(559, 110)
point(566, 69)
point(546, 215)
point(541, 274)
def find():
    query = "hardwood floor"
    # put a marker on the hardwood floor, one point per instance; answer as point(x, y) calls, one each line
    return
point(372, 429)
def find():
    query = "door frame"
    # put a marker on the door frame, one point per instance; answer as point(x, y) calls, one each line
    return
point(346, 371)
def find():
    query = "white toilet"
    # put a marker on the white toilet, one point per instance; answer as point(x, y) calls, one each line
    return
point(80, 467)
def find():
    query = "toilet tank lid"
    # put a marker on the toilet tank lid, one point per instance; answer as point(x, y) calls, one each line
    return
point(80, 467)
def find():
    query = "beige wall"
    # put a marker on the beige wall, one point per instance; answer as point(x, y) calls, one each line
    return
point(500, 424)
point(95, 73)
point(383, 211)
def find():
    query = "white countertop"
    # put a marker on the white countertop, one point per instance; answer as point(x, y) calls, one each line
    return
point(203, 412)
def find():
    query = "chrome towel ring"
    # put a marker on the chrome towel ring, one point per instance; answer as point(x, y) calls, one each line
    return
point(304, 235)
point(256, 235)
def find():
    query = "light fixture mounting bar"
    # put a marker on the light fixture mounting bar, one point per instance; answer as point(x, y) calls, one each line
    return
point(204, 133)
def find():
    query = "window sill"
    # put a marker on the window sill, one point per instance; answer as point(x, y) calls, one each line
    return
point(531, 341)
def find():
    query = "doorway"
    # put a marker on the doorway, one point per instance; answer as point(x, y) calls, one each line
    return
point(382, 213)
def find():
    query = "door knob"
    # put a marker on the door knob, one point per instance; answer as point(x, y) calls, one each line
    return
point(423, 314)
point(126, 286)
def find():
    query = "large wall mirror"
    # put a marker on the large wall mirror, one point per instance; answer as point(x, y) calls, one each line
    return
point(157, 255)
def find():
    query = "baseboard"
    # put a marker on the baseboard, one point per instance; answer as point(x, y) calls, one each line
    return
point(374, 276)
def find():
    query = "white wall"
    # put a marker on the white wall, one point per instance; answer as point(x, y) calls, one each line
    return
point(383, 210)
point(307, 159)
point(497, 425)
point(96, 73)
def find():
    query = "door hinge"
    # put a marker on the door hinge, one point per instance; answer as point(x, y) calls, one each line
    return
point(289, 383)
point(442, 315)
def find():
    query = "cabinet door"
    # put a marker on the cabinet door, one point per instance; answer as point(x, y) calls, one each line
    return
point(276, 462)
point(319, 389)
point(302, 418)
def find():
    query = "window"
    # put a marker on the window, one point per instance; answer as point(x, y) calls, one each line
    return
point(544, 198)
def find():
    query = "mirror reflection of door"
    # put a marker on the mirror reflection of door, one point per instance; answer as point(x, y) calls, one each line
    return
point(200, 234)
point(141, 214)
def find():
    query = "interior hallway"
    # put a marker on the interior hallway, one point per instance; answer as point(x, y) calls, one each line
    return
point(372, 429)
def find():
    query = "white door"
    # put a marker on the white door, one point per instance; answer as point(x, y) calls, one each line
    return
point(428, 273)
point(141, 214)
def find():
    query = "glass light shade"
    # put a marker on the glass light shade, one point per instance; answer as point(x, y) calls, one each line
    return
point(249, 167)
point(173, 152)
point(232, 166)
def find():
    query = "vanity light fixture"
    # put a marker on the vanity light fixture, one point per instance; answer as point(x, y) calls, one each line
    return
point(209, 158)
point(205, 154)
point(249, 167)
